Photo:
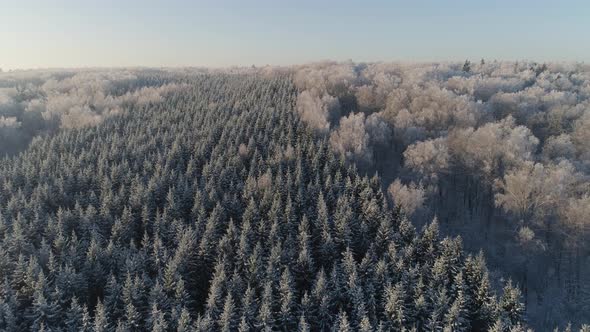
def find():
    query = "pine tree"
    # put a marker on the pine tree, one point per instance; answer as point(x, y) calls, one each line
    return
point(157, 321)
point(227, 320)
point(342, 324)
point(42, 312)
point(517, 328)
point(325, 241)
point(394, 306)
point(213, 304)
point(303, 325)
point(121, 327)
point(248, 307)
point(511, 309)
point(101, 323)
point(265, 320)
point(384, 235)
point(75, 317)
point(159, 297)
point(8, 320)
point(86, 319)
point(204, 323)
point(181, 296)
point(304, 265)
point(420, 304)
point(243, 326)
point(485, 303)
point(306, 307)
point(441, 301)
point(132, 318)
point(498, 326)
point(185, 321)
point(286, 315)
point(253, 265)
point(365, 325)
point(323, 301)
point(467, 66)
point(342, 224)
point(456, 318)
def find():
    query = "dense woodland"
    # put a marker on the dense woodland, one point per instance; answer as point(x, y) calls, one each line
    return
point(498, 151)
point(247, 199)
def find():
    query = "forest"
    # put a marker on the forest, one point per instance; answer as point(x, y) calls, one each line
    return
point(497, 151)
point(333, 196)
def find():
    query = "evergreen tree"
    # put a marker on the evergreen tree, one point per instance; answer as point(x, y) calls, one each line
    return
point(511, 309)
point(265, 318)
point(456, 318)
point(157, 320)
point(185, 321)
point(467, 66)
point(365, 325)
point(42, 313)
point(228, 319)
point(342, 223)
point(325, 241)
point(323, 301)
point(132, 318)
point(101, 323)
point(395, 306)
point(286, 315)
point(342, 324)
point(243, 326)
point(303, 325)
point(248, 307)
point(75, 317)
point(304, 265)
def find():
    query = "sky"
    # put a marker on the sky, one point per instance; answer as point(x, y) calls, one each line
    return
point(221, 33)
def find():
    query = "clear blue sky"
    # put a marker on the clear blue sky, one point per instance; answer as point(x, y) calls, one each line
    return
point(60, 33)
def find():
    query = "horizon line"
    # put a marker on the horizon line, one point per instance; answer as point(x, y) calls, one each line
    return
point(243, 66)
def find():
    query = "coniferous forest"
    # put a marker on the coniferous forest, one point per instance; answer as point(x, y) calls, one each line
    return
point(262, 200)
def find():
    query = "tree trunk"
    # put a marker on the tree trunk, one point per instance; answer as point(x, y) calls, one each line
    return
point(525, 286)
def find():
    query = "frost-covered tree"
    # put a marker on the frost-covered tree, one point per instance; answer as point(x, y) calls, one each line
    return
point(410, 198)
point(209, 202)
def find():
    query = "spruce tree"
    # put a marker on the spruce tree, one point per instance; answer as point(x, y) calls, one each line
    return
point(342, 323)
point(395, 306)
point(184, 321)
point(228, 319)
point(511, 309)
point(303, 326)
point(75, 317)
point(101, 322)
point(286, 315)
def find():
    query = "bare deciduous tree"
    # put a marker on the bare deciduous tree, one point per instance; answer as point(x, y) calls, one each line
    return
point(409, 197)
